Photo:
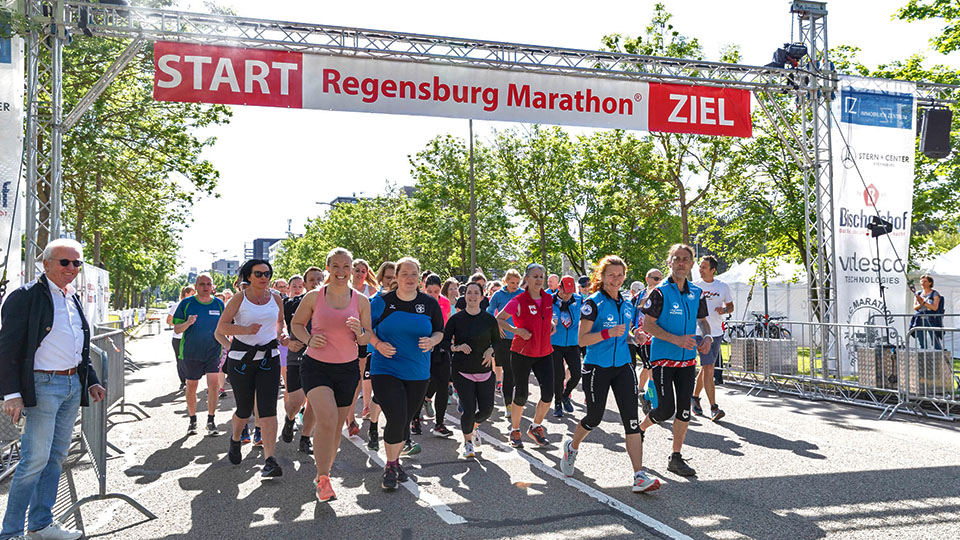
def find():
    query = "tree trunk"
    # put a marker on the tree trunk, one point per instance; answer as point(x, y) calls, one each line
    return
point(543, 243)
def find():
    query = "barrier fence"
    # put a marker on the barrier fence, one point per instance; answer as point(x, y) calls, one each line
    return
point(893, 367)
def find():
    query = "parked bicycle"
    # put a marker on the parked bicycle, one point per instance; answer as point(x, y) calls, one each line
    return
point(762, 326)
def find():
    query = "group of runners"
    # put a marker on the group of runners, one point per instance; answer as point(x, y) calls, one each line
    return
point(403, 340)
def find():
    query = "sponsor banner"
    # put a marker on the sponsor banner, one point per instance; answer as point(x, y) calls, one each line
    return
point(93, 286)
point(237, 76)
point(873, 170)
point(11, 151)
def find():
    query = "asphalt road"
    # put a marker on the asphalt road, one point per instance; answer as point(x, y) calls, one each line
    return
point(773, 468)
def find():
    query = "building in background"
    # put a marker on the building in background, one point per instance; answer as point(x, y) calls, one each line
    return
point(226, 267)
point(260, 248)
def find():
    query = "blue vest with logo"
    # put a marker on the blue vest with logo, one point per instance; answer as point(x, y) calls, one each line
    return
point(679, 317)
point(566, 336)
point(614, 351)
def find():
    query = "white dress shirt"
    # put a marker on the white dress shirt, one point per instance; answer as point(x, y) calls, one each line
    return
point(63, 346)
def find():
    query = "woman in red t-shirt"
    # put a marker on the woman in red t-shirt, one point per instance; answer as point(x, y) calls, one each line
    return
point(532, 312)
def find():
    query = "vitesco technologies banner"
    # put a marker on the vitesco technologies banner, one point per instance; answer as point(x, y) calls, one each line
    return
point(875, 133)
point(237, 76)
point(11, 148)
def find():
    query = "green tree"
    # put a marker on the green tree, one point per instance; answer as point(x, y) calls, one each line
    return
point(538, 177)
point(948, 40)
point(441, 199)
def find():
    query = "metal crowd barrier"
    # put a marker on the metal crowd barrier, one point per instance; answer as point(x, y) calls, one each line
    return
point(879, 366)
point(93, 431)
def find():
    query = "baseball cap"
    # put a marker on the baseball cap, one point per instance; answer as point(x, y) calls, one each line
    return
point(583, 281)
point(567, 284)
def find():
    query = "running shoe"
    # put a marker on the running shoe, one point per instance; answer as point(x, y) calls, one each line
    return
point(516, 439)
point(499, 387)
point(192, 428)
point(245, 436)
point(257, 440)
point(271, 469)
point(234, 452)
point(183, 385)
point(286, 434)
point(410, 448)
point(401, 474)
point(389, 482)
point(476, 439)
point(365, 414)
point(567, 463)
point(324, 489)
point(459, 407)
point(428, 408)
point(697, 409)
point(558, 411)
point(643, 483)
point(223, 394)
point(468, 450)
point(568, 404)
point(538, 434)
point(678, 465)
point(212, 430)
point(415, 427)
point(716, 413)
point(54, 531)
point(441, 430)
point(306, 446)
point(450, 389)
point(374, 444)
point(353, 429)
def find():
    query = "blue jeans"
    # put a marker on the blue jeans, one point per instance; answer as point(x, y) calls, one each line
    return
point(43, 445)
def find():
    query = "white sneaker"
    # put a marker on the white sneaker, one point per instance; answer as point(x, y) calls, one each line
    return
point(569, 459)
point(56, 531)
point(643, 483)
point(476, 439)
point(468, 450)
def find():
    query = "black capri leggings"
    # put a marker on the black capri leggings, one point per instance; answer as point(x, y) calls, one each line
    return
point(255, 378)
point(597, 381)
point(570, 354)
point(176, 356)
point(400, 400)
point(502, 356)
point(673, 382)
point(439, 380)
point(542, 367)
point(476, 398)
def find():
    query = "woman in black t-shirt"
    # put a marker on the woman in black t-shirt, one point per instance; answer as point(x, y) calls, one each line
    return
point(470, 335)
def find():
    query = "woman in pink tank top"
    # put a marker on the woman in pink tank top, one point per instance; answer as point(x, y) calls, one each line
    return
point(339, 319)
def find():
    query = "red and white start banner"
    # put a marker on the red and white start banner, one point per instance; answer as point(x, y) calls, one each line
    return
point(239, 76)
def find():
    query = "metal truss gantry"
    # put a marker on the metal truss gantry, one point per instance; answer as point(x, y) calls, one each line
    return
point(811, 147)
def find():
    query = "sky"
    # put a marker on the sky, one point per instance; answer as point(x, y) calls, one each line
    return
point(276, 164)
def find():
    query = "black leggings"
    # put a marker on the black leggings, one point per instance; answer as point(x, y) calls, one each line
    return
point(597, 381)
point(399, 400)
point(255, 378)
point(502, 355)
point(673, 382)
point(476, 399)
point(176, 356)
point(572, 356)
point(542, 367)
point(439, 380)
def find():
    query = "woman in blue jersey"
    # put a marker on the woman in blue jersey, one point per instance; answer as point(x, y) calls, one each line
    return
point(501, 352)
point(566, 312)
point(407, 324)
point(604, 320)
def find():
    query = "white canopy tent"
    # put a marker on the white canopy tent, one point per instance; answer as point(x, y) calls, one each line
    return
point(945, 271)
point(786, 290)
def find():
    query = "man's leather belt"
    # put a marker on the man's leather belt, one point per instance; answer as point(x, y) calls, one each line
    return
point(70, 371)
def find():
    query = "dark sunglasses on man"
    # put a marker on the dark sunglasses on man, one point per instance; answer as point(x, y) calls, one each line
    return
point(75, 262)
point(656, 278)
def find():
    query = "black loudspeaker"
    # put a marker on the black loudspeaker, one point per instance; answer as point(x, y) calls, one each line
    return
point(935, 134)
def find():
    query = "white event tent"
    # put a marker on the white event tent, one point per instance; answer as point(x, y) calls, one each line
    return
point(786, 290)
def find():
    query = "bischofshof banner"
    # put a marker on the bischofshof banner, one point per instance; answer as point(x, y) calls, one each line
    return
point(873, 169)
point(241, 76)
point(11, 150)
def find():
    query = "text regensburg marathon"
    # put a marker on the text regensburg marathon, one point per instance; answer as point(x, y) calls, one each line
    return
point(239, 76)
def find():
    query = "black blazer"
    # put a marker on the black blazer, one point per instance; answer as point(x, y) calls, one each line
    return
point(25, 320)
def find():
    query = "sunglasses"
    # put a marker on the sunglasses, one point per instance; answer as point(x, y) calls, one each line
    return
point(656, 278)
point(75, 262)
point(260, 274)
